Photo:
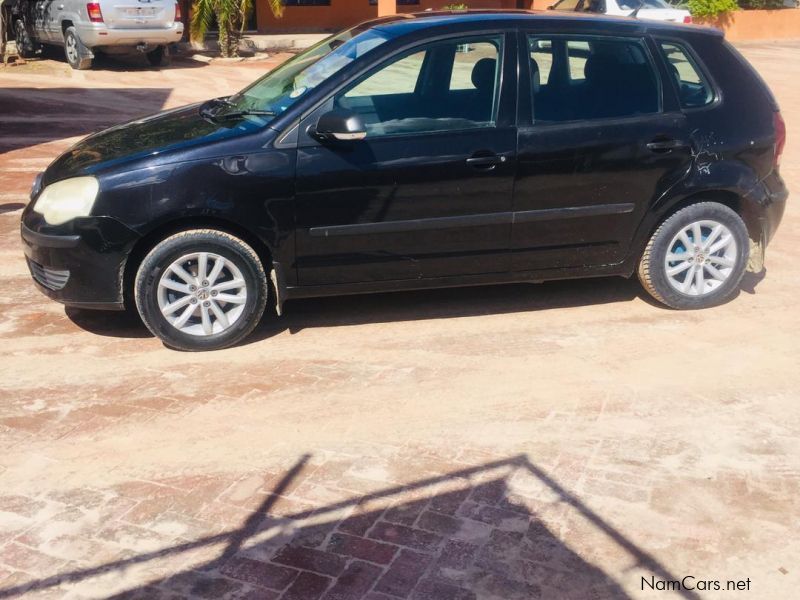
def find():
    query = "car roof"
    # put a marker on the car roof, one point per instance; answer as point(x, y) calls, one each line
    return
point(404, 24)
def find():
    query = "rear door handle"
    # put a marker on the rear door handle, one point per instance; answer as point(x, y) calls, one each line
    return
point(486, 162)
point(666, 145)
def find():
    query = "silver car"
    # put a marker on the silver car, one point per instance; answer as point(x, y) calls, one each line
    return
point(108, 26)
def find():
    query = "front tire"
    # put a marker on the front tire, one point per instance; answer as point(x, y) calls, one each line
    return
point(696, 258)
point(201, 290)
point(25, 46)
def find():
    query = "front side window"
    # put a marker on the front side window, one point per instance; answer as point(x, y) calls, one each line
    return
point(693, 89)
point(576, 79)
point(443, 86)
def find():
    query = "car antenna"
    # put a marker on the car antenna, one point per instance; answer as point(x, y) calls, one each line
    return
point(635, 13)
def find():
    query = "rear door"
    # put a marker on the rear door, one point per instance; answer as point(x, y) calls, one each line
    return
point(428, 192)
point(596, 150)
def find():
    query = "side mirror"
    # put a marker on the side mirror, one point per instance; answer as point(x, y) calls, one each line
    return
point(340, 125)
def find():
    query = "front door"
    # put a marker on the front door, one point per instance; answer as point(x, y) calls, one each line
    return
point(428, 192)
point(598, 152)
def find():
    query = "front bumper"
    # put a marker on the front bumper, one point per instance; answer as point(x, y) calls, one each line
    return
point(93, 36)
point(81, 263)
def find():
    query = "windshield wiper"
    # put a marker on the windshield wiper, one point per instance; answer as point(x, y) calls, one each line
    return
point(245, 113)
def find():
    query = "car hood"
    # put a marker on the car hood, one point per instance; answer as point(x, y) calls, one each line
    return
point(165, 133)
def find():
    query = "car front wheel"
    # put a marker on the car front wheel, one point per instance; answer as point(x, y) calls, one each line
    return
point(201, 290)
point(697, 257)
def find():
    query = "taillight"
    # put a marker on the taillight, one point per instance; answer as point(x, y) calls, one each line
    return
point(178, 14)
point(687, 19)
point(780, 136)
point(95, 14)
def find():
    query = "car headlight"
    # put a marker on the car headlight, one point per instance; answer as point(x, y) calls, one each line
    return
point(64, 200)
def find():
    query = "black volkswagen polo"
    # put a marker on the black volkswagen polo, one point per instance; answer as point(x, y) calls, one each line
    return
point(419, 151)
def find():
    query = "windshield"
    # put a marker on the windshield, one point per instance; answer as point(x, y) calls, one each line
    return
point(279, 89)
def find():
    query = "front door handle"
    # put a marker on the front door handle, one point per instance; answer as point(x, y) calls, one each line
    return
point(663, 146)
point(486, 162)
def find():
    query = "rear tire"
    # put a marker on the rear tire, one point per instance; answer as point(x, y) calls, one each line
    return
point(158, 57)
point(201, 289)
point(696, 258)
point(78, 56)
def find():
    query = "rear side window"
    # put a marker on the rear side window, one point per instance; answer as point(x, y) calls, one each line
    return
point(693, 88)
point(586, 78)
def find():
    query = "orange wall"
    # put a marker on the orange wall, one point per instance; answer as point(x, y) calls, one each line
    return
point(345, 13)
point(743, 25)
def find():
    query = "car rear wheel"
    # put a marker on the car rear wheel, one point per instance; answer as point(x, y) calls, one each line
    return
point(201, 290)
point(78, 56)
point(158, 57)
point(696, 258)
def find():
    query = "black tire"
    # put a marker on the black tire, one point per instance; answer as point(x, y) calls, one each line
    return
point(25, 46)
point(200, 240)
point(158, 57)
point(78, 56)
point(653, 269)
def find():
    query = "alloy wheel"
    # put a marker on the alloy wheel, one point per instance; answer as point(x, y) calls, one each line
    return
point(202, 293)
point(700, 258)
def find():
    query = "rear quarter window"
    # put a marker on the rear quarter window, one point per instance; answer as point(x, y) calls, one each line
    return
point(692, 86)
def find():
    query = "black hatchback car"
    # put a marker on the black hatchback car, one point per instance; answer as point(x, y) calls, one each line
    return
point(424, 150)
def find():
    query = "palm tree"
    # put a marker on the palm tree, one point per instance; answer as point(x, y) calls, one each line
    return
point(232, 16)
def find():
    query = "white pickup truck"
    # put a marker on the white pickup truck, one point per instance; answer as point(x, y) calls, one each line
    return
point(657, 10)
point(109, 26)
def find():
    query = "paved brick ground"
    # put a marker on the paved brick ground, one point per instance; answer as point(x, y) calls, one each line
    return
point(554, 441)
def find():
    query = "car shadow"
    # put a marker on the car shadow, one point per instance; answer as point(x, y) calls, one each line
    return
point(130, 61)
point(32, 116)
point(751, 280)
point(463, 533)
point(418, 305)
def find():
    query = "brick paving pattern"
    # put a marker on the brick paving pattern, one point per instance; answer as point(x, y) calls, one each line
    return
point(560, 441)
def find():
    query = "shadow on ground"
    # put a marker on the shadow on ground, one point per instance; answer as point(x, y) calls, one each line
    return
point(461, 535)
point(398, 306)
point(32, 116)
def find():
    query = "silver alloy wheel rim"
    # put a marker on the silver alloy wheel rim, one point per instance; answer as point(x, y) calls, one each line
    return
point(202, 294)
point(700, 258)
point(72, 48)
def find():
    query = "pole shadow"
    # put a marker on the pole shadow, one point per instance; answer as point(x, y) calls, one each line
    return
point(459, 535)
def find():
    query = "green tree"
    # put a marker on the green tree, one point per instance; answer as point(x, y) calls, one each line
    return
point(232, 17)
point(711, 8)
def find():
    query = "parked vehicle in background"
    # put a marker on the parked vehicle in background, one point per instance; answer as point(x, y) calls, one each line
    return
point(424, 151)
point(85, 28)
point(656, 10)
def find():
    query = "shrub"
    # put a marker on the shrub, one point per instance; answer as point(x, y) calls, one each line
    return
point(711, 8)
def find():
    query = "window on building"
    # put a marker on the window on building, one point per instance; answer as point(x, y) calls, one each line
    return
point(306, 2)
point(693, 89)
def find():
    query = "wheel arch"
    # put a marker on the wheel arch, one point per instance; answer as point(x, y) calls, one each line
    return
point(65, 24)
point(733, 200)
point(162, 231)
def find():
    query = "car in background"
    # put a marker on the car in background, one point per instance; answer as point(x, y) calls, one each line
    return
point(432, 150)
point(85, 28)
point(656, 10)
